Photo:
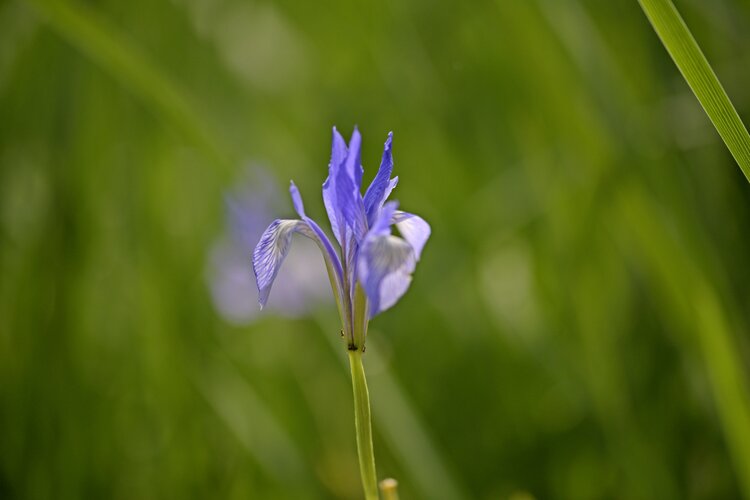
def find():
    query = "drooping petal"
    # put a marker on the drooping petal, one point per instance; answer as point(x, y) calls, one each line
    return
point(380, 187)
point(338, 158)
point(385, 263)
point(270, 252)
point(413, 228)
point(385, 266)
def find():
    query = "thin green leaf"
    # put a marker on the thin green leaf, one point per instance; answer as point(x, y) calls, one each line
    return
point(696, 70)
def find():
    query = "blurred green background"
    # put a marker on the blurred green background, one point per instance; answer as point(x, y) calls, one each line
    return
point(577, 327)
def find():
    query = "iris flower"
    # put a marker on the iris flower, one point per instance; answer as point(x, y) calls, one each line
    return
point(369, 271)
point(371, 268)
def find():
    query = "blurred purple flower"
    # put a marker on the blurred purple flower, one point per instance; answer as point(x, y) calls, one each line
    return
point(371, 259)
point(300, 286)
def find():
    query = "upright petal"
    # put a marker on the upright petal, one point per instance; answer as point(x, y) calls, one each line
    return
point(380, 187)
point(299, 207)
point(413, 229)
point(338, 158)
point(354, 159)
point(270, 252)
point(391, 186)
point(350, 202)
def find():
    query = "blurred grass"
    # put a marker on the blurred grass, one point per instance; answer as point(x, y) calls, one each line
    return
point(577, 327)
point(113, 53)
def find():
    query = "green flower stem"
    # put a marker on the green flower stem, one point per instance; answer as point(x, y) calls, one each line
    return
point(363, 426)
point(694, 67)
point(360, 318)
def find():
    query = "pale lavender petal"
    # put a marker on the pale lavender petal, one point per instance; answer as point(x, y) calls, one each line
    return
point(392, 288)
point(270, 252)
point(380, 187)
point(385, 265)
point(413, 229)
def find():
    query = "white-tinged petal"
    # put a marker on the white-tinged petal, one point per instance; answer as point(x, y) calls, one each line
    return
point(270, 252)
point(384, 267)
point(413, 229)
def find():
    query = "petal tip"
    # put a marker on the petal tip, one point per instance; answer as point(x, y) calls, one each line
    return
point(299, 207)
point(338, 140)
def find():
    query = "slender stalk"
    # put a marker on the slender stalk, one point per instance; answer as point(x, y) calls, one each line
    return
point(696, 70)
point(363, 426)
point(360, 317)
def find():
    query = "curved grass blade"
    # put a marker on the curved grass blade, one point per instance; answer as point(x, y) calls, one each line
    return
point(687, 55)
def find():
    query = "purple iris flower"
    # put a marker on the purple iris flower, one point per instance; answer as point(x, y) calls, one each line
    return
point(371, 269)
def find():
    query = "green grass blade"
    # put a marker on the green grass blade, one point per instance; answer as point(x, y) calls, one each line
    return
point(696, 70)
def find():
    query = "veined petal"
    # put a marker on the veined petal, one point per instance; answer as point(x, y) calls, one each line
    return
point(384, 266)
point(380, 187)
point(270, 252)
point(339, 154)
point(350, 204)
point(413, 228)
point(274, 245)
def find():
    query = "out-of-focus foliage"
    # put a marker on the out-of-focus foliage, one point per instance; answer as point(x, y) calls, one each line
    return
point(578, 324)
